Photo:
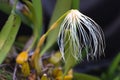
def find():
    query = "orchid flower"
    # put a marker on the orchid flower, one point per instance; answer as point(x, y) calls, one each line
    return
point(81, 33)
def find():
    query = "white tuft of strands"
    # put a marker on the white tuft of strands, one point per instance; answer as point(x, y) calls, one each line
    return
point(81, 33)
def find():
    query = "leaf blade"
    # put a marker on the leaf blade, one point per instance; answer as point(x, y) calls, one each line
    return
point(81, 76)
point(6, 29)
point(114, 65)
point(10, 39)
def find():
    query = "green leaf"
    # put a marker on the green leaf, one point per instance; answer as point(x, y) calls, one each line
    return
point(5, 7)
point(7, 36)
point(13, 22)
point(61, 7)
point(38, 16)
point(37, 25)
point(114, 65)
point(117, 78)
point(6, 29)
point(81, 76)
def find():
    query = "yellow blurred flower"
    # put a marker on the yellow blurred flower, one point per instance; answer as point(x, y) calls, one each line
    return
point(22, 57)
point(44, 77)
point(25, 69)
point(58, 74)
point(22, 60)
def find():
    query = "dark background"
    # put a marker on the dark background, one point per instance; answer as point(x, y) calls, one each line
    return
point(106, 13)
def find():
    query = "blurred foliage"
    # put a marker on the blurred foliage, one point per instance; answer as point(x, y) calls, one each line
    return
point(113, 72)
point(5, 75)
point(4, 7)
point(81, 76)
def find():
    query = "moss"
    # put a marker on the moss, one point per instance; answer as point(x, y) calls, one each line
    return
point(5, 75)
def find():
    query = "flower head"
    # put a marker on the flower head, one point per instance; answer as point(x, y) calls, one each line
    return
point(79, 32)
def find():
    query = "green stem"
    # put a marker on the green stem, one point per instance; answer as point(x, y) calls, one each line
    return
point(61, 7)
point(75, 4)
point(52, 28)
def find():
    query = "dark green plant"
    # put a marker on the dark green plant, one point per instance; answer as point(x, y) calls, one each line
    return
point(113, 72)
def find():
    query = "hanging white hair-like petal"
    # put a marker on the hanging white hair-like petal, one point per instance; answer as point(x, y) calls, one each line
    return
point(82, 33)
